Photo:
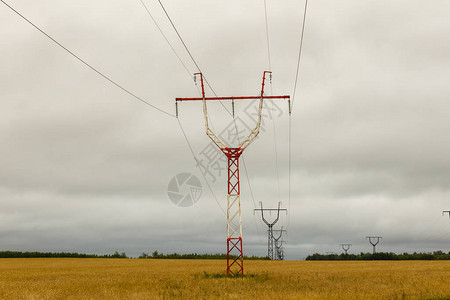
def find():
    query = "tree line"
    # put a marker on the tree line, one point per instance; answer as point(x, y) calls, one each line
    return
point(157, 255)
point(154, 255)
point(35, 254)
point(436, 255)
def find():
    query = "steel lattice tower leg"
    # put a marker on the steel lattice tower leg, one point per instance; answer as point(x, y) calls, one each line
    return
point(270, 243)
point(235, 256)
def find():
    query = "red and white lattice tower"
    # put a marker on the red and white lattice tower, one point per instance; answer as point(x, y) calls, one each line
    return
point(235, 255)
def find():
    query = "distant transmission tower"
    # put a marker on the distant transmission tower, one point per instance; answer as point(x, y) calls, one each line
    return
point(235, 255)
point(346, 247)
point(374, 244)
point(270, 225)
point(446, 212)
point(279, 251)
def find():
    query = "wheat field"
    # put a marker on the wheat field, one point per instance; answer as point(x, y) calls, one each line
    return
point(81, 278)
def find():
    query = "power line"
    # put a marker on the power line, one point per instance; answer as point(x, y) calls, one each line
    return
point(291, 106)
point(190, 75)
point(192, 57)
point(251, 190)
point(271, 90)
point(173, 49)
point(276, 151)
point(198, 165)
point(181, 39)
point(246, 172)
point(267, 34)
point(126, 90)
point(119, 86)
point(204, 77)
point(87, 64)
point(299, 53)
point(167, 40)
point(289, 163)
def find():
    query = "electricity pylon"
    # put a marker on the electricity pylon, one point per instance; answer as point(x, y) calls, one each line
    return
point(346, 247)
point(281, 250)
point(374, 244)
point(279, 255)
point(270, 225)
point(235, 255)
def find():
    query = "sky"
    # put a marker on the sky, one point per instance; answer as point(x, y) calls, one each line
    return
point(86, 167)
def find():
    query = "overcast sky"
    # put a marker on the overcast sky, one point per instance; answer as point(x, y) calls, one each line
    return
point(85, 167)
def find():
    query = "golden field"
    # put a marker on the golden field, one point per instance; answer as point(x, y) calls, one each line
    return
point(82, 278)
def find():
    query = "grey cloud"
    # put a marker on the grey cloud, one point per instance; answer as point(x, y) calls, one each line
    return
point(85, 167)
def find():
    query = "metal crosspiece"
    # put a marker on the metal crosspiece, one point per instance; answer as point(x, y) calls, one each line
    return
point(270, 225)
point(373, 243)
point(235, 255)
point(346, 247)
point(446, 212)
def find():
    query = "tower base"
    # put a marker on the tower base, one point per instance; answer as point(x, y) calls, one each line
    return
point(235, 257)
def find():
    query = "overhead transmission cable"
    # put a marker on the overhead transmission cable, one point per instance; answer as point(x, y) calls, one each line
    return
point(190, 75)
point(116, 84)
point(171, 47)
point(192, 57)
point(179, 122)
point(190, 54)
point(198, 165)
point(86, 63)
point(167, 40)
point(272, 102)
point(204, 77)
point(299, 53)
point(267, 35)
point(293, 99)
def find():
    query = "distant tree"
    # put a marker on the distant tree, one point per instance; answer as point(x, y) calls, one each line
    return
point(118, 255)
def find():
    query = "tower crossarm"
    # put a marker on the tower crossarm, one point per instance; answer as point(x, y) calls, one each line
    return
point(261, 209)
point(280, 234)
point(374, 243)
point(374, 237)
point(345, 247)
point(234, 98)
point(255, 131)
